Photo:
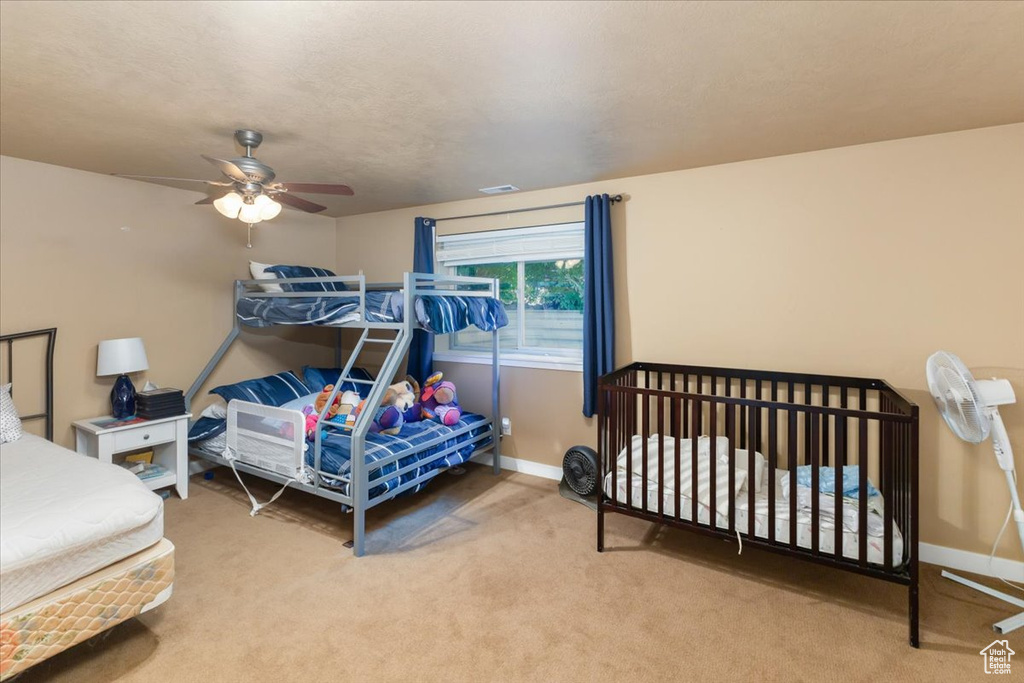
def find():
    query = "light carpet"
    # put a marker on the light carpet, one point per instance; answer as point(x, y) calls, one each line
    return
point(484, 578)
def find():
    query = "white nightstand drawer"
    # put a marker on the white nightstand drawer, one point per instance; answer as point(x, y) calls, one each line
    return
point(140, 437)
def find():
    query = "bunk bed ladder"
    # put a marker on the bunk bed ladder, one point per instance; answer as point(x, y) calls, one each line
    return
point(358, 485)
point(346, 377)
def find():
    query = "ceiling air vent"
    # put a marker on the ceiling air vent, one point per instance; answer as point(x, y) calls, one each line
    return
point(499, 189)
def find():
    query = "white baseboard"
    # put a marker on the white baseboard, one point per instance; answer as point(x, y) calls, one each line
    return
point(951, 558)
point(976, 563)
point(535, 469)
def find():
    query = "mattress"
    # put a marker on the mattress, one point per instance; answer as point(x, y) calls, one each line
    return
point(56, 621)
point(436, 314)
point(64, 516)
point(336, 452)
point(826, 529)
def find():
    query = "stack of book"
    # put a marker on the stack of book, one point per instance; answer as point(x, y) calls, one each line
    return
point(159, 403)
point(145, 470)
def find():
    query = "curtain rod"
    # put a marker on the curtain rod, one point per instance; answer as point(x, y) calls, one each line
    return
point(613, 198)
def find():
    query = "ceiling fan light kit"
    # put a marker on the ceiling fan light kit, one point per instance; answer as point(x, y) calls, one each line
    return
point(251, 194)
point(247, 209)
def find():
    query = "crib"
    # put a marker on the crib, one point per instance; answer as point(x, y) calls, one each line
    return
point(759, 458)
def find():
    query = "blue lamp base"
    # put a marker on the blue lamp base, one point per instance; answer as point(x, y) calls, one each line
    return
point(122, 398)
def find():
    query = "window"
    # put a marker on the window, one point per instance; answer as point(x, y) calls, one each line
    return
point(540, 270)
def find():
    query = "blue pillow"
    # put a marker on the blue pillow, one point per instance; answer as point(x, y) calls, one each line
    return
point(273, 390)
point(207, 428)
point(318, 378)
point(307, 271)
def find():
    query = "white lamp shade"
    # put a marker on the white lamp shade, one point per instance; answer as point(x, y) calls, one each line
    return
point(229, 204)
point(250, 213)
point(268, 207)
point(120, 356)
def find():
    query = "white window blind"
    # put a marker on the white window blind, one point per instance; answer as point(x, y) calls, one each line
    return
point(564, 240)
point(540, 269)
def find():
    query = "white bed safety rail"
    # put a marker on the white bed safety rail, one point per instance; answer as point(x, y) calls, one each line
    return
point(267, 437)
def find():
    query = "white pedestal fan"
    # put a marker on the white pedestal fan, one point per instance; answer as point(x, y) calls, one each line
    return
point(971, 409)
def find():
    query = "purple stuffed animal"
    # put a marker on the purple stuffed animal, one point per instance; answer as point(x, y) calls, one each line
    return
point(439, 401)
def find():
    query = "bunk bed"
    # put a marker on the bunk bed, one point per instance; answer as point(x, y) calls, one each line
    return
point(349, 464)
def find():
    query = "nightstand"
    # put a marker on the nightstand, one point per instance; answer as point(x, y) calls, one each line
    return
point(168, 437)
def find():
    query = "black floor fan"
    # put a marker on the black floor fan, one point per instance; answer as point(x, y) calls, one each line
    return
point(579, 476)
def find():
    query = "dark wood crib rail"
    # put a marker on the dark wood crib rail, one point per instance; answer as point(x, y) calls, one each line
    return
point(792, 419)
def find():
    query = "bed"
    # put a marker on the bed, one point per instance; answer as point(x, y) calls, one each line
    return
point(394, 460)
point(81, 544)
point(821, 468)
point(257, 434)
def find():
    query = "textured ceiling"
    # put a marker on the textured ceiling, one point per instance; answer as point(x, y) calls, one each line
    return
point(415, 103)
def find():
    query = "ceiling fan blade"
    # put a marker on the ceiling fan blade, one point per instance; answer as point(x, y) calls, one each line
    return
point(319, 188)
point(160, 177)
point(228, 168)
point(298, 203)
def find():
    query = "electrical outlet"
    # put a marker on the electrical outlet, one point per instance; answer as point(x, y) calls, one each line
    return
point(506, 426)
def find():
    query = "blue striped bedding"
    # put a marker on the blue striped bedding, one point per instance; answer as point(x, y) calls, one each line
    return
point(436, 314)
point(335, 452)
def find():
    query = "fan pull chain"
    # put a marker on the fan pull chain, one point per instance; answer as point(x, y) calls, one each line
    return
point(248, 236)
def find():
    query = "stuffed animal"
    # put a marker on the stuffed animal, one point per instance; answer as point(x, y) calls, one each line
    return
point(321, 401)
point(405, 396)
point(346, 406)
point(387, 419)
point(343, 404)
point(312, 417)
point(439, 400)
point(398, 405)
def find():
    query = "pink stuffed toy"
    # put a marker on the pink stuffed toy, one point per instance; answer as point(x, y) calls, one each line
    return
point(311, 421)
point(439, 401)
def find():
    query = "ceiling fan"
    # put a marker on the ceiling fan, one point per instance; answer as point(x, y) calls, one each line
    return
point(249, 192)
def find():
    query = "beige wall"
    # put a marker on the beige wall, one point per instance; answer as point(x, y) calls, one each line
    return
point(859, 261)
point(100, 257)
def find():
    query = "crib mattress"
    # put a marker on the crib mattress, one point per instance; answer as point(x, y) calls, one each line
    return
point(826, 536)
point(64, 516)
point(69, 615)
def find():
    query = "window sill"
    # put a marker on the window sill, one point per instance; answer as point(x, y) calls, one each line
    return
point(539, 362)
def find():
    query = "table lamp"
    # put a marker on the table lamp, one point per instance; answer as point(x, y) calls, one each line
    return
point(119, 357)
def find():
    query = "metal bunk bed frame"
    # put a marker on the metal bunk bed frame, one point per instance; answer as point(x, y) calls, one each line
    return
point(412, 286)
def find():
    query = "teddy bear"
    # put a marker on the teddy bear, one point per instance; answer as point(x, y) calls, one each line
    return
point(439, 400)
point(321, 401)
point(405, 396)
point(399, 400)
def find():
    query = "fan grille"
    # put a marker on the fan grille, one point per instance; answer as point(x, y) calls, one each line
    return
point(956, 396)
point(579, 466)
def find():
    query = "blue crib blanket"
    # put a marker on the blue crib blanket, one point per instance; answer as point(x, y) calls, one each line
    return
point(827, 480)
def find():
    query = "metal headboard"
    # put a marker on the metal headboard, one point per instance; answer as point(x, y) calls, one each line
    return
point(51, 338)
